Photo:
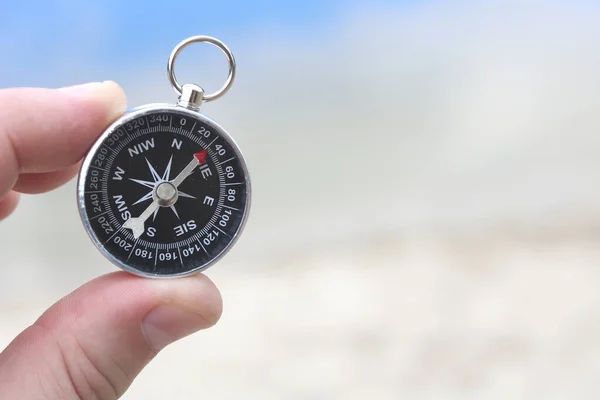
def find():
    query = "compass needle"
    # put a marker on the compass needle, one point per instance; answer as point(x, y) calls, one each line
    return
point(137, 224)
point(186, 172)
point(121, 191)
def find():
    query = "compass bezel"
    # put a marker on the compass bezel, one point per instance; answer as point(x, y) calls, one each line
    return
point(129, 116)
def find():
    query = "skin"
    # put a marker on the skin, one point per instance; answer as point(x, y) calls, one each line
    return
point(69, 352)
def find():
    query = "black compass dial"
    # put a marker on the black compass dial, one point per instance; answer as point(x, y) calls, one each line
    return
point(164, 192)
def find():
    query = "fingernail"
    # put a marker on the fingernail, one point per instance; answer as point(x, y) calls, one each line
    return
point(108, 92)
point(167, 324)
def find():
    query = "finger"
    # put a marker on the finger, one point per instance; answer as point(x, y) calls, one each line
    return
point(8, 204)
point(40, 182)
point(94, 342)
point(44, 130)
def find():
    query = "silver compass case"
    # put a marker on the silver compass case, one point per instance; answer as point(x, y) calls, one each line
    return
point(165, 191)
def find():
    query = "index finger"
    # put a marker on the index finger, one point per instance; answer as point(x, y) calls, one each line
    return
point(44, 130)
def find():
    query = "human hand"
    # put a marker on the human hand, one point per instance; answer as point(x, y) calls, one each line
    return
point(95, 341)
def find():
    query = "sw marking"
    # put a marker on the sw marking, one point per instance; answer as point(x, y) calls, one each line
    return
point(122, 207)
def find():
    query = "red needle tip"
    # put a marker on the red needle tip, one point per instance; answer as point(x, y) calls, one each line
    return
point(201, 156)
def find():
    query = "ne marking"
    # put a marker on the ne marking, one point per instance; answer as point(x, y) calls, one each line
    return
point(232, 208)
point(192, 130)
point(237, 183)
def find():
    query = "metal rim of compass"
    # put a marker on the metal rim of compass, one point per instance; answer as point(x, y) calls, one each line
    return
point(133, 114)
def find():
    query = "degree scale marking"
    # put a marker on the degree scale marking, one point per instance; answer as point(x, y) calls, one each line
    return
point(141, 132)
point(128, 137)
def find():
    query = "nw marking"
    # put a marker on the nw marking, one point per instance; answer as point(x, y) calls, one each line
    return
point(140, 148)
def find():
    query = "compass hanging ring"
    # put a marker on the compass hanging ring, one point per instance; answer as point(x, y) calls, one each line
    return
point(165, 191)
point(202, 39)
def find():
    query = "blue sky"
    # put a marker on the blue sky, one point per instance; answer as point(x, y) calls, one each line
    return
point(42, 42)
point(58, 42)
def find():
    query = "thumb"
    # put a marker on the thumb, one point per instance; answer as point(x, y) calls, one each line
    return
point(94, 342)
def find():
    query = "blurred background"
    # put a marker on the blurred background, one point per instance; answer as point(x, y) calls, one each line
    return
point(436, 232)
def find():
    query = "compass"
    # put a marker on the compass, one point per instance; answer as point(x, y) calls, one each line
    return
point(165, 190)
